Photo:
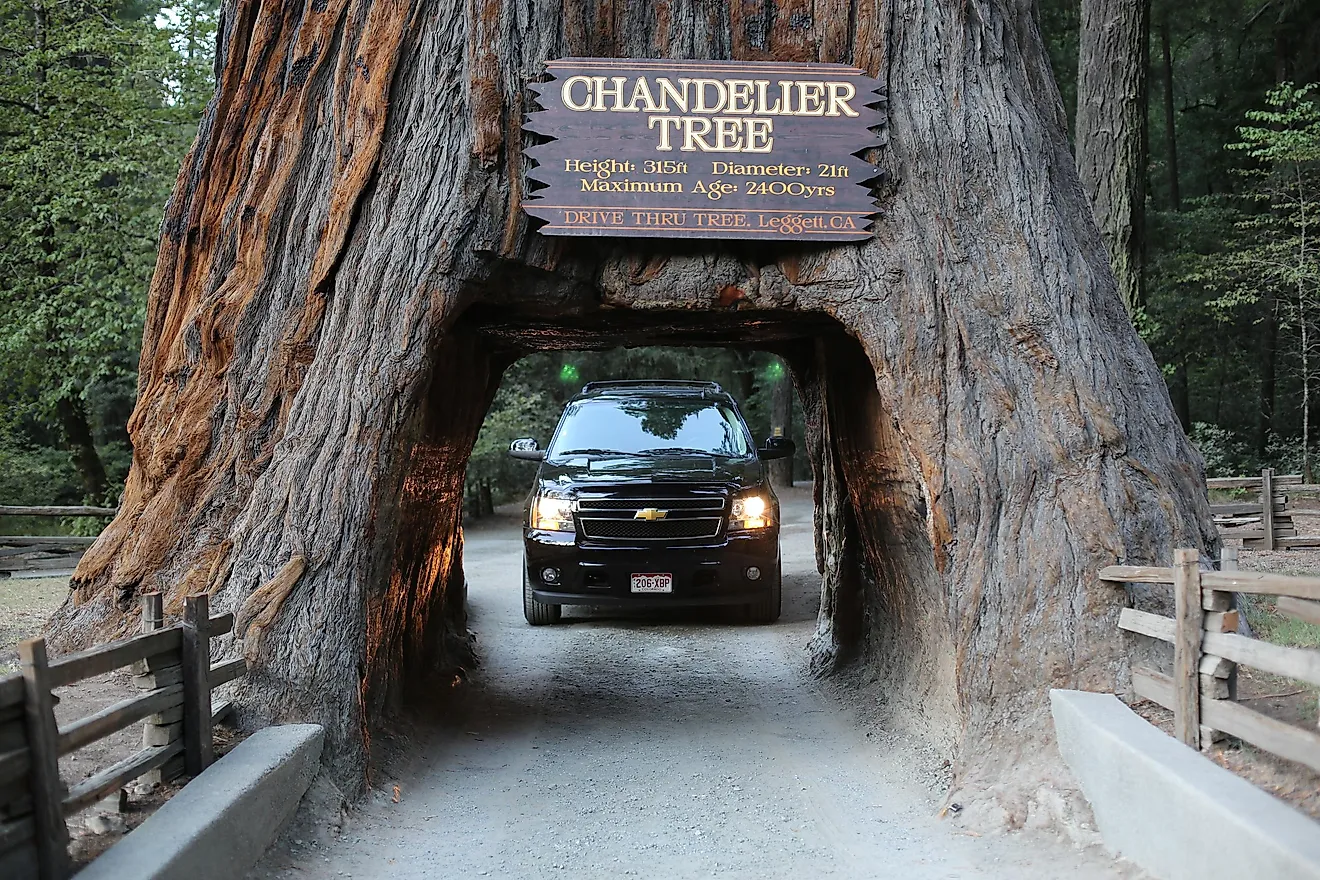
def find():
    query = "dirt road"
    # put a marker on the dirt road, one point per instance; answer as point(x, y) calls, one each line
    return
point(668, 746)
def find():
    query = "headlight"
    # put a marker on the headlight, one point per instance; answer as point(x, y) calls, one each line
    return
point(552, 514)
point(749, 512)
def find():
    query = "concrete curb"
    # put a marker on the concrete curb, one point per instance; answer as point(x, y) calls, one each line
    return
point(220, 823)
point(1169, 809)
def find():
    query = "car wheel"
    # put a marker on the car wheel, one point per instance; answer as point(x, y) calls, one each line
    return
point(767, 610)
point(538, 613)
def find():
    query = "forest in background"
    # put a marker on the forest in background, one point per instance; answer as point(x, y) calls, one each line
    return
point(1220, 266)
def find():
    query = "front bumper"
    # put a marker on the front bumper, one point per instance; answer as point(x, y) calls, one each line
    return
point(713, 574)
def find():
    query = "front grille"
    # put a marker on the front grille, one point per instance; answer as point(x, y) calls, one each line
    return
point(691, 515)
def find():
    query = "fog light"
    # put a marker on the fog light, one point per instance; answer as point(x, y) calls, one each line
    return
point(550, 575)
point(753, 573)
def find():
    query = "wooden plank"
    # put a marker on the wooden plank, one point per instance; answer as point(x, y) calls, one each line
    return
point(1243, 508)
point(1299, 541)
point(1136, 574)
point(16, 832)
point(1216, 666)
point(106, 658)
point(46, 563)
point(44, 772)
point(162, 734)
point(1259, 543)
point(1154, 625)
point(161, 676)
point(1263, 583)
point(1299, 663)
point(14, 765)
point(221, 710)
point(1299, 609)
point(221, 625)
point(199, 748)
point(38, 540)
point(11, 689)
point(92, 789)
point(223, 673)
point(1267, 510)
point(11, 510)
point(1213, 689)
point(1221, 621)
point(1188, 625)
point(1284, 740)
point(117, 717)
point(1154, 686)
point(1289, 480)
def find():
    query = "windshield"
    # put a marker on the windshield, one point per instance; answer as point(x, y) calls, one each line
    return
point(650, 426)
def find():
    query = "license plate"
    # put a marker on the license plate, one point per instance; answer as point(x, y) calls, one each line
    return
point(653, 583)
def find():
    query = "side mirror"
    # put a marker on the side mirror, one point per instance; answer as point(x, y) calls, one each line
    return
point(776, 447)
point(525, 449)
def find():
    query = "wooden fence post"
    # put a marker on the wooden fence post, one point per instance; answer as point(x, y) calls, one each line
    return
point(163, 670)
point(1267, 506)
point(1188, 624)
point(198, 748)
point(153, 612)
point(1219, 676)
point(44, 763)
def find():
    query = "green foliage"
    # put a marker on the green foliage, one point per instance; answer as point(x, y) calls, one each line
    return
point(100, 101)
point(533, 392)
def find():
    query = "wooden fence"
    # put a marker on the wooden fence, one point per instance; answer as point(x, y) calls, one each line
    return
point(44, 552)
point(1206, 647)
point(171, 665)
point(1264, 526)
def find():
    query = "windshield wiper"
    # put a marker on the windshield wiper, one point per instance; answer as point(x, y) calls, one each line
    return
point(565, 452)
point(683, 450)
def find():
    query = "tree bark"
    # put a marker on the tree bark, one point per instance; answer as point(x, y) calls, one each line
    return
point(345, 271)
point(1111, 130)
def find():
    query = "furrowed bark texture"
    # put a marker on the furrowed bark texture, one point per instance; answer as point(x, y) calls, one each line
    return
point(346, 272)
point(1111, 129)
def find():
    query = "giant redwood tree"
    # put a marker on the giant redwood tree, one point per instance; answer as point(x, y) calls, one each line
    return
point(345, 271)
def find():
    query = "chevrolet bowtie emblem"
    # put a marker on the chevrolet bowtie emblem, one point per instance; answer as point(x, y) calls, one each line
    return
point(650, 514)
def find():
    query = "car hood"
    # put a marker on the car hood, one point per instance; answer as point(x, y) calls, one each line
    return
point(666, 469)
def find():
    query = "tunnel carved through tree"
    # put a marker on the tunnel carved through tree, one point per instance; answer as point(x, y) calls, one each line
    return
point(319, 349)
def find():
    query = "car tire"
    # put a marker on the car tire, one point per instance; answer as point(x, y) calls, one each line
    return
point(767, 610)
point(538, 613)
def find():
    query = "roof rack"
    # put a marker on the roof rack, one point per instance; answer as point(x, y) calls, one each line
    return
point(656, 384)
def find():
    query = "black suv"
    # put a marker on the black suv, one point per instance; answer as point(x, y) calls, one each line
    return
point(651, 494)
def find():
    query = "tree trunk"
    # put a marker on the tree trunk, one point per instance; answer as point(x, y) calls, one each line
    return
point(1170, 130)
point(1111, 130)
point(1267, 352)
point(72, 413)
point(345, 272)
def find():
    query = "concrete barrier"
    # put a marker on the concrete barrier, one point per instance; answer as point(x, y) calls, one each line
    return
point(220, 823)
point(1169, 809)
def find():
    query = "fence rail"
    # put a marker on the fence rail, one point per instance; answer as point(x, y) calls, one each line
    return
point(172, 667)
point(1207, 648)
point(44, 552)
point(1263, 526)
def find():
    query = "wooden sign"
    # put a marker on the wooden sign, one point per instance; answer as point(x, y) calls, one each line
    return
point(705, 149)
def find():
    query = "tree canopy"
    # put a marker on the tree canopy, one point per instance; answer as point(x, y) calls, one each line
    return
point(99, 102)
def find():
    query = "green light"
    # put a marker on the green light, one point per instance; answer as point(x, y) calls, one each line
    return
point(568, 373)
point(774, 372)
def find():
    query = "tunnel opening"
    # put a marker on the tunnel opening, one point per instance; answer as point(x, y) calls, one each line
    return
point(882, 616)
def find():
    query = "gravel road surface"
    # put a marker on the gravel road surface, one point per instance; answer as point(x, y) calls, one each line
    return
point(669, 745)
